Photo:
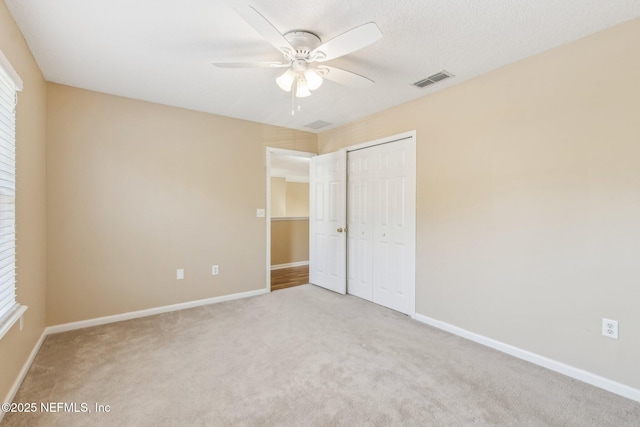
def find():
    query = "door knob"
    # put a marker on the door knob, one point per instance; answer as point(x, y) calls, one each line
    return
point(340, 230)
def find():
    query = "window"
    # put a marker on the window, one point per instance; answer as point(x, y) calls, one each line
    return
point(10, 84)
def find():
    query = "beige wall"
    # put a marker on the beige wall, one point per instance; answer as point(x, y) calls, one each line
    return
point(289, 241)
point(278, 197)
point(31, 203)
point(137, 190)
point(528, 206)
point(289, 198)
point(297, 199)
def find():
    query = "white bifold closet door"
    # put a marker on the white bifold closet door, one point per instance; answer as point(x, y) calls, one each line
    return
point(381, 224)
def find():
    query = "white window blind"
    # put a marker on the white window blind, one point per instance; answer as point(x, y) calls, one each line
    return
point(10, 310)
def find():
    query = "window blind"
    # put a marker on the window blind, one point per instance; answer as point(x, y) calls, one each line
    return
point(9, 308)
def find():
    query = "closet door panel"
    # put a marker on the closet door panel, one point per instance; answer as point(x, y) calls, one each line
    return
point(359, 226)
point(381, 224)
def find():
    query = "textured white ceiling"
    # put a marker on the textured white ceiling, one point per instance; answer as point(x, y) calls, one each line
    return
point(161, 50)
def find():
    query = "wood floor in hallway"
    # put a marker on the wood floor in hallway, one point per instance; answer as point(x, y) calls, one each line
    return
point(288, 277)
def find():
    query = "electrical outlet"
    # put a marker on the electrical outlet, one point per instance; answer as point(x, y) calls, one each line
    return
point(180, 274)
point(214, 270)
point(610, 328)
point(260, 213)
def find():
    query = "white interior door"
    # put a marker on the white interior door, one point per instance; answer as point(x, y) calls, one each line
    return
point(381, 217)
point(327, 221)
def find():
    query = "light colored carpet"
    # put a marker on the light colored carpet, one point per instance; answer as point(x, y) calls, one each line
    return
point(300, 357)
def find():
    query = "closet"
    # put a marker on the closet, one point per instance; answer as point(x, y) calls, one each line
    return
point(363, 221)
point(381, 224)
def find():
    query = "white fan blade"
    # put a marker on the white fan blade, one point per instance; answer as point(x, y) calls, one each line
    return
point(264, 28)
point(348, 42)
point(345, 77)
point(249, 64)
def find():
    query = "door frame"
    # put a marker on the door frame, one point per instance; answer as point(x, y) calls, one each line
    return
point(269, 152)
point(385, 140)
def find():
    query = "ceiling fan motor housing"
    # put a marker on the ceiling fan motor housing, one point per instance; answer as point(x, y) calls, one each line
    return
point(303, 42)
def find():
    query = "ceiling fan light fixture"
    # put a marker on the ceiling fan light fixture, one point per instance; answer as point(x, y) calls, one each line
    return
point(285, 81)
point(314, 80)
point(302, 90)
point(301, 49)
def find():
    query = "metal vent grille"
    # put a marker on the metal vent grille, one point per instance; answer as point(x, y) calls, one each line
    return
point(317, 124)
point(435, 78)
point(423, 83)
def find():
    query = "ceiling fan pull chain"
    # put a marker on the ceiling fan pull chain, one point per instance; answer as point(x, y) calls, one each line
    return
point(293, 99)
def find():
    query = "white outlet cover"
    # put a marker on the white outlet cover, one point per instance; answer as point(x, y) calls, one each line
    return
point(180, 274)
point(214, 270)
point(610, 328)
point(260, 213)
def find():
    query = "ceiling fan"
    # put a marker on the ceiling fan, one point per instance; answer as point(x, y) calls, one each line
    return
point(303, 49)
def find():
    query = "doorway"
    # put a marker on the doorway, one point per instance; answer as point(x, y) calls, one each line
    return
point(287, 218)
point(363, 215)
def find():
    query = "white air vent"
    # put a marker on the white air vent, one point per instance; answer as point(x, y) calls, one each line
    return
point(317, 124)
point(442, 75)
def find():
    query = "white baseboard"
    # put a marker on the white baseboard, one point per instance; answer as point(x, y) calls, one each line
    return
point(23, 372)
point(149, 312)
point(289, 265)
point(570, 371)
